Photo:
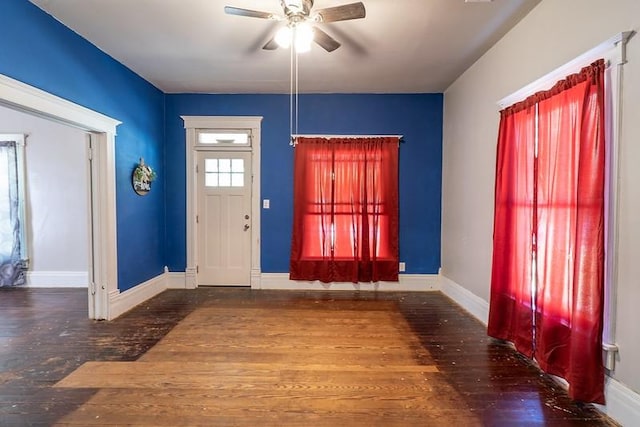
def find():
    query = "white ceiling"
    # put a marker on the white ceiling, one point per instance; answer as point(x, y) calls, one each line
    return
point(192, 46)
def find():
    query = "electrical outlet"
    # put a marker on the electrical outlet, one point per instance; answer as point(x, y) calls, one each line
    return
point(403, 266)
point(265, 204)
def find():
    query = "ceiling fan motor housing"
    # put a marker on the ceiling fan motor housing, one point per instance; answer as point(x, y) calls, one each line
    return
point(297, 9)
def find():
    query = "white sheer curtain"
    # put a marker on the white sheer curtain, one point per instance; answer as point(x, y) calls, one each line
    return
point(13, 258)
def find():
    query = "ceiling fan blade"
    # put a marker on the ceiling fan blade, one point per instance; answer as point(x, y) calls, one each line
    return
point(271, 44)
point(327, 42)
point(230, 10)
point(342, 13)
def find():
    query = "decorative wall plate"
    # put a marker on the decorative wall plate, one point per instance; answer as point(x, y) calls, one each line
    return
point(142, 177)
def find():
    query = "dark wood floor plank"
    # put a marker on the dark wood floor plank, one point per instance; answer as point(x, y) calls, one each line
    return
point(260, 346)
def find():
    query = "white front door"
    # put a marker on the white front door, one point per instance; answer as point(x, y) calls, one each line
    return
point(223, 218)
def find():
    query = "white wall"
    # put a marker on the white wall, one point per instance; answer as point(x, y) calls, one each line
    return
point(554, 33)
point(57, 199)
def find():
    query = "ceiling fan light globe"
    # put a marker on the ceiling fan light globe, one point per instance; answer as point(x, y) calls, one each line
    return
point(303, 37)
point(283, 37)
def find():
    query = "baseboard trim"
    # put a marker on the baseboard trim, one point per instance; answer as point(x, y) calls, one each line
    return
point(623, 404)
point(57, 279)
point(407, 283)
point(121, 302)
point(466, 299)
point(176, 280)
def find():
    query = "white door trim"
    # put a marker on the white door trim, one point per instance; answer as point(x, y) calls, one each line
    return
point(23, 97)
point(191, 124)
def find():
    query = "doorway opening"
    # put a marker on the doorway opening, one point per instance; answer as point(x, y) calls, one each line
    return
point(102, 271)
point(53, 199)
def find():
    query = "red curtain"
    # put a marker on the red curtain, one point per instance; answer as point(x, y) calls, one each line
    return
point(513, 230)
point(566, 242)
point(570, 256)
point(345, 218)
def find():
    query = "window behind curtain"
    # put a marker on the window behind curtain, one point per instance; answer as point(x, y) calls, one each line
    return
point(13, 249)
point(345, 210)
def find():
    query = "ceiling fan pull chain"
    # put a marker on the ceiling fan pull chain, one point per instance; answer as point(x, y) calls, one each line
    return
point(297, 93)
point(291, 53)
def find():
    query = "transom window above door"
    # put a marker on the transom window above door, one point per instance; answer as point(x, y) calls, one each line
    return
point(227, 138)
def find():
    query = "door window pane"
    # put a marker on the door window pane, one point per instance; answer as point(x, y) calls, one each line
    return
point(224, 172)
point(211, 165)
point(237, 179)
point(224, 165)
point(225, 179)
point(237, 165)
point(211, 180)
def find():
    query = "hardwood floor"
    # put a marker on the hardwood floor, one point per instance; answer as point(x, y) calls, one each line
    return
point(236, 357)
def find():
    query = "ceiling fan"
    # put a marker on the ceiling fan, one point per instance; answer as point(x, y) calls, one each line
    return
point(299, 18)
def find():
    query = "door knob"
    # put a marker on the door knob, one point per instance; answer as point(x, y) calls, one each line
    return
point(246, 227)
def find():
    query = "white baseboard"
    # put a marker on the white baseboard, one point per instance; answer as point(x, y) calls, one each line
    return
point(120, 303)
point(623, 404)
point(176, 280)
point(407, 283)
point(472, 303)
point(57, 279)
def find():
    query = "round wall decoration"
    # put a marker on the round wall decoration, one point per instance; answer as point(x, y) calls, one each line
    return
point(142, 177)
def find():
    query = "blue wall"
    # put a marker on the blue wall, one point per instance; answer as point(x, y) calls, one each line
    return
point(38, 50)
point(417, 116)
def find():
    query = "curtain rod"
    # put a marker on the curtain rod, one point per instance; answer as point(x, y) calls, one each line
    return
point(346, 136)
point(293, 142)
point(547, 81)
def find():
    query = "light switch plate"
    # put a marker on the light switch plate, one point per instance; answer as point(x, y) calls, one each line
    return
point(265, 204)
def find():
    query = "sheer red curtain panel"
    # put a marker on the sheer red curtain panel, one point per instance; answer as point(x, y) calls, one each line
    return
point(511, 315)
point(547, 281)
point(570, 233)
point(345, 217)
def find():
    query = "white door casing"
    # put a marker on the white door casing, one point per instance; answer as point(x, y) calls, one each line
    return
point(223, 218)
point(104, 269)
point(221, 123)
